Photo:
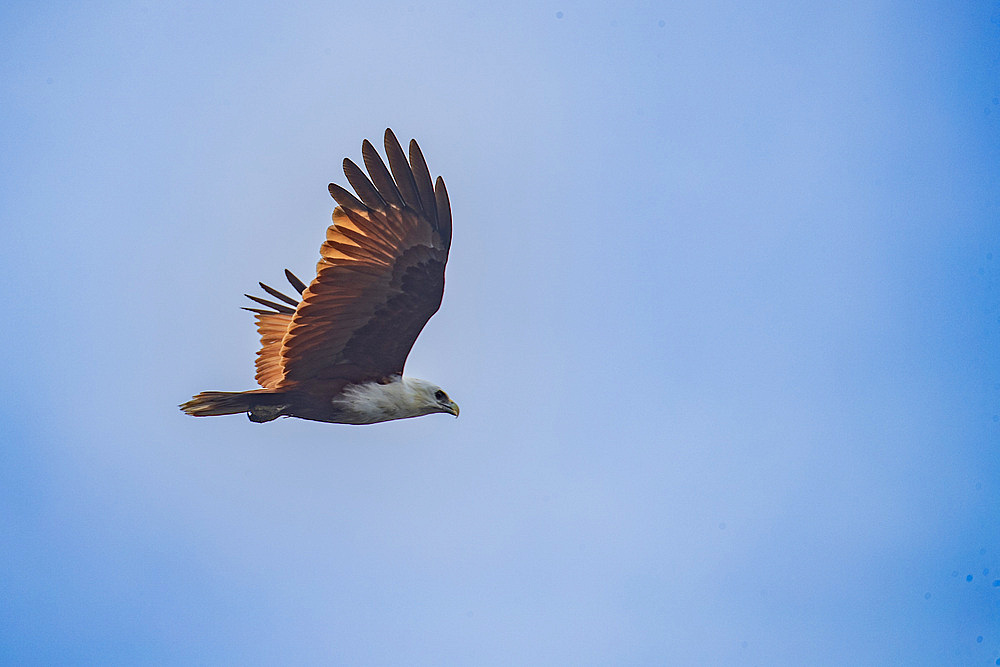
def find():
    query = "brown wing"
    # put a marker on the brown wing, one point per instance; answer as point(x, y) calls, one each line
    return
point(272, 325)
point(379, 279)
point(272, 329)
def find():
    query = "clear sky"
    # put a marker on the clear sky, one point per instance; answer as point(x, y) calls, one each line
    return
point(722, 314)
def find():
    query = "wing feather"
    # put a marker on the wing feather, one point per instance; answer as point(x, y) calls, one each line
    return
point(443, 210)
point(271, 304)
point(422, 177)
point(380, 175)
point(299, 286)
point(401, 172)
point(278, 295)
point(367, 192)
point(348, 202)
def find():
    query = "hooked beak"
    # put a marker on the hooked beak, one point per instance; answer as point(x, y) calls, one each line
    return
point(452, 408)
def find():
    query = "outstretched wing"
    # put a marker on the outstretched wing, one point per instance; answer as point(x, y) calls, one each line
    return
point(272, 325)
point(379, 279)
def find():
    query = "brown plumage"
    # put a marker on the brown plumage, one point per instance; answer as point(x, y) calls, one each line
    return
point(337, 353)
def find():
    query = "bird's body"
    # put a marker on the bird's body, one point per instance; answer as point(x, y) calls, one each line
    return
point(337, 353)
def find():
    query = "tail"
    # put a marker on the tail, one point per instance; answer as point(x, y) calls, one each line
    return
point(259, 406)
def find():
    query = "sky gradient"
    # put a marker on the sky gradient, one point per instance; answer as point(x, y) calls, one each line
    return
point(722, 315)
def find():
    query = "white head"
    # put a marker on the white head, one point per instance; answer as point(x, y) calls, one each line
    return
point(399, 399)
point(425, 397)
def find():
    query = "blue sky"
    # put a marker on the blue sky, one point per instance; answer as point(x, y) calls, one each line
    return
point(722, 315)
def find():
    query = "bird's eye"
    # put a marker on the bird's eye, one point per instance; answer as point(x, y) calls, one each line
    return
point(440, 395)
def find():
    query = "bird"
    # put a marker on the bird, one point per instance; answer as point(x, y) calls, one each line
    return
point(336, 353)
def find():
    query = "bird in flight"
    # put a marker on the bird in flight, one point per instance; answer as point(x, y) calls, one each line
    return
point(336, 353)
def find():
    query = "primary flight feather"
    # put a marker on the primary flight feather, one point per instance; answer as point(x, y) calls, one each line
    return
point(336, 353)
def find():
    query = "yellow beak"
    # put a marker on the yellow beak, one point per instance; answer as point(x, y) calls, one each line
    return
point(453, 408)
